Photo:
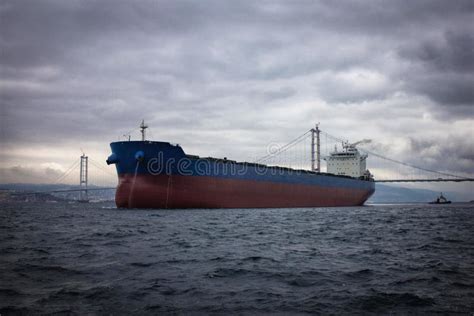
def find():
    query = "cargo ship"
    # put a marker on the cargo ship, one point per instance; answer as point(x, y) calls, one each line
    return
point(157, 174)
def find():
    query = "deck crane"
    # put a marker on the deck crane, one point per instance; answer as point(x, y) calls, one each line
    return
point(360, 142)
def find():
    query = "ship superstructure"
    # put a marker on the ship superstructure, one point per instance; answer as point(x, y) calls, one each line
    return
point(348, 162)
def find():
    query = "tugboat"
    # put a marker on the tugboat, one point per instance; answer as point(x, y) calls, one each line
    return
point(441, 200)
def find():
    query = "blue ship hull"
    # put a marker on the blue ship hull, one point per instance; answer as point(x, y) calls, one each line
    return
point(162, 175)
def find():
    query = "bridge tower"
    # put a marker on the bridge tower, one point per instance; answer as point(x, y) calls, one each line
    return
point(315, 153)
point(83, 177)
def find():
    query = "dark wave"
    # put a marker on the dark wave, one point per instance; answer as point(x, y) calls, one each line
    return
point(415, 280)
point(142, 264)
point(258, 259)
point(35, 268)
point(388, 301)
point(363, 273)
point(10, 292)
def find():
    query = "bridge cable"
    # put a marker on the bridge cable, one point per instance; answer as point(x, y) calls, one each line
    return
point(397, 161)
point(283, 148)
point(100, 167)
point(67, 172)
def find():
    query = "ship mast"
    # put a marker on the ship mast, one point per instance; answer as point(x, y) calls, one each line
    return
point(143, 127)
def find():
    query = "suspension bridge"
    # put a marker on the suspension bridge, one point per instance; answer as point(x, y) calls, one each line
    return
point(80, 169)
point(310, 148)
point(308, 151)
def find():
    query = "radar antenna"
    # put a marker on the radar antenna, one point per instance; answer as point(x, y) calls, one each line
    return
point(143, 127)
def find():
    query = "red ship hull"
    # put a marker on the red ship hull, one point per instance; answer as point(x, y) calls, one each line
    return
point(178, 191)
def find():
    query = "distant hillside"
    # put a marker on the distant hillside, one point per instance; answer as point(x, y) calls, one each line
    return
point(101, 195)
point(40, 187)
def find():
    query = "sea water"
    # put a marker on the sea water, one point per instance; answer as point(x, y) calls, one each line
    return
point(91, 258)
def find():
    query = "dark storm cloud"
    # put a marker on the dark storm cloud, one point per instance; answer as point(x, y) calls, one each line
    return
point(446, 67)
point(448, 89)
point(452, 153)
point(210, 70)
point(454, 53)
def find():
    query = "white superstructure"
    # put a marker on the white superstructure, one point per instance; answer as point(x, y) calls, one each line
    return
point(349, 162)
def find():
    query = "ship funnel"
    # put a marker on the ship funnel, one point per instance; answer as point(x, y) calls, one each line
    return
point(112, 159)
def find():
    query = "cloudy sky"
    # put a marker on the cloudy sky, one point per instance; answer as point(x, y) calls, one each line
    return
point(227, 78)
